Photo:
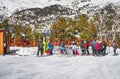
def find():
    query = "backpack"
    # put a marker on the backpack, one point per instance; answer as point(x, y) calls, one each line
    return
point(97, 46)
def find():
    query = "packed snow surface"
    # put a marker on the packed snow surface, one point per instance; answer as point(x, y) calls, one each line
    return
point(59, 67)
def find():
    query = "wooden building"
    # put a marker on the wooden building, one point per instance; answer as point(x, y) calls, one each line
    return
point(4, 41)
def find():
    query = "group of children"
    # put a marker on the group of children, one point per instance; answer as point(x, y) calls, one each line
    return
point(73, 47)
point(98, 48)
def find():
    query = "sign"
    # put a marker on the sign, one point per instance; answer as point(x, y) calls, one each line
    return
point(42, 30)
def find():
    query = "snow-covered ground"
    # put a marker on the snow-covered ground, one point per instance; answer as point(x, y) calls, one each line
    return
point(33, 50)
point(56, 67)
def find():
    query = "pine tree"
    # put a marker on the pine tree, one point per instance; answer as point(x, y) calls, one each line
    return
point(59, 29)
point(82, 26)
point(17, 32)
point(92, 30)
point(28, 32)
point(71, 29)
point(4, 24)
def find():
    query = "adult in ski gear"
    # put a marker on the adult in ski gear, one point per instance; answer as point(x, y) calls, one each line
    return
point(44, 46)
point(40, 47)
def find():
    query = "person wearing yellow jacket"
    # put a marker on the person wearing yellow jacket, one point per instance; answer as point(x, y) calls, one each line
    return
point(44, 46)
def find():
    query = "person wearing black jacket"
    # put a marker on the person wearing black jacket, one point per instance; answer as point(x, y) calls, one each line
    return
point(104, 46)
point(115, 46)
point(40, 48)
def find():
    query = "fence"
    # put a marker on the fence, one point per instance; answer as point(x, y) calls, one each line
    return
point(34, 43)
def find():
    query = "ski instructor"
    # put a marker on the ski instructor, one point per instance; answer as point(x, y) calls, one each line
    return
point(40, 47)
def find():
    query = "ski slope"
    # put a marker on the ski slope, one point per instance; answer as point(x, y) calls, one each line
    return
point(57, 67)
point(53, 67)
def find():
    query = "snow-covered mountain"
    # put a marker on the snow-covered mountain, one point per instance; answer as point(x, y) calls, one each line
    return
point(46, 12)
point(13, 5)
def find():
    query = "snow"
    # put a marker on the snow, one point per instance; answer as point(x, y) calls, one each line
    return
point(25, 65)
point(56, 67)
point(103, 1)
point(24, 50)
point(14, 5)
point(33, 50)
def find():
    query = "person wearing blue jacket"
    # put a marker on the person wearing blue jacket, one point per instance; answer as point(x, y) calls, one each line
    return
point(50, 47)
